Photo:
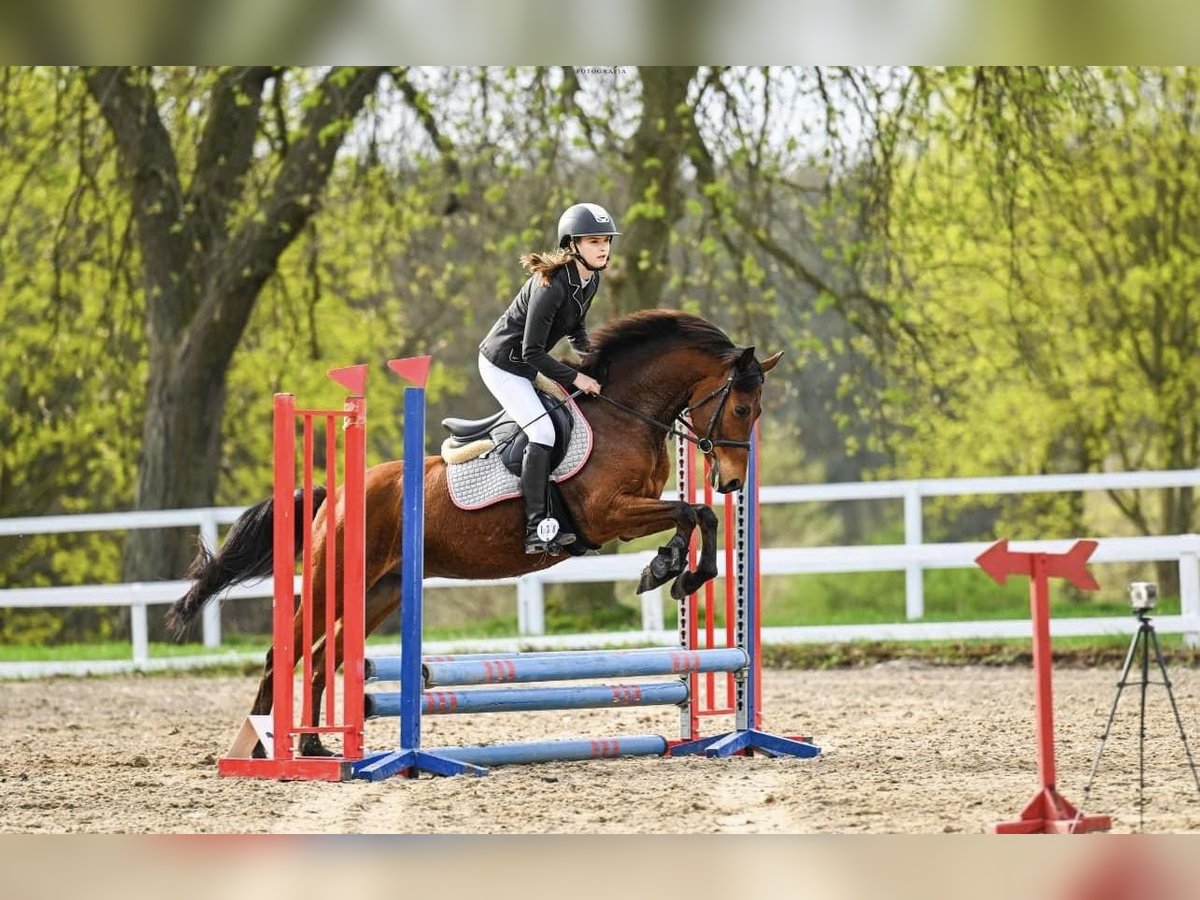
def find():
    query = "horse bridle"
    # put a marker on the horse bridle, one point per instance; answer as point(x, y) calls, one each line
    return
point(706, 443)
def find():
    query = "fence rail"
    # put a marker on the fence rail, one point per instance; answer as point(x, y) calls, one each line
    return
point(912, 557)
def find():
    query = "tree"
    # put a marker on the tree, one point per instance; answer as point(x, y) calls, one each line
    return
point(208, 244)
point(1054, 279)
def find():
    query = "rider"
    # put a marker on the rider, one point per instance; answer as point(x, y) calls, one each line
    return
point(551, 305)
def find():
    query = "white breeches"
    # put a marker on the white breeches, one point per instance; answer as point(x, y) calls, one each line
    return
point(519, 399)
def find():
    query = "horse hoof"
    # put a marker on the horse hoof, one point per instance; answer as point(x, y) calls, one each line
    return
point(678, 591)
point(648, 582)
point(314, 748)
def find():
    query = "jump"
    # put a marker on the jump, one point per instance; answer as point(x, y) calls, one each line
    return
point(664, 372)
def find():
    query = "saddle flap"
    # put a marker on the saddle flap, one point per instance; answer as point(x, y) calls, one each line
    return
point(513, 451)
point(472, 429)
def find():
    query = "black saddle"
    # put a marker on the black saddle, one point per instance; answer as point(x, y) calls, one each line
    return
point(510, 439)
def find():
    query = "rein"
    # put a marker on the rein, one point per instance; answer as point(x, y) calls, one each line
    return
point(706, 444)
point(520, 428)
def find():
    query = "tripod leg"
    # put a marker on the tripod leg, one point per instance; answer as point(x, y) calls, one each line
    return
point(1158, 654)
point(1112, 714)
point(1143, 634)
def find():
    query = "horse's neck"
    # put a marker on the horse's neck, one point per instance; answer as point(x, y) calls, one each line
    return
point(659, 387)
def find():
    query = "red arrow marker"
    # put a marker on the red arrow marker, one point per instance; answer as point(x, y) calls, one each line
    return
point(1049, 812)
point(1000, 562)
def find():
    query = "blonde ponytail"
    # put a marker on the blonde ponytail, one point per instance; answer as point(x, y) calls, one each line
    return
point(545, 264)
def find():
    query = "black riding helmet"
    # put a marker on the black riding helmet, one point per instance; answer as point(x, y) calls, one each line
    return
point(585, 219)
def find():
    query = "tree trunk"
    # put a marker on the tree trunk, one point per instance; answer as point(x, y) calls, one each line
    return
point(181, 441)
point(657, 149)
point(201, 279)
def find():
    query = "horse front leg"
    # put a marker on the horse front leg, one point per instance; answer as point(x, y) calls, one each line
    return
point(706, 566)
point(670, 561)
point(637, 516)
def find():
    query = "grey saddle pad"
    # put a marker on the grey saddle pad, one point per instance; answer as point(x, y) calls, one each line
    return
point(484, 480)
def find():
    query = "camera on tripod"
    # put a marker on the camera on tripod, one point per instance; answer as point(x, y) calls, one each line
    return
point(1143, 596)
point(1143, 648)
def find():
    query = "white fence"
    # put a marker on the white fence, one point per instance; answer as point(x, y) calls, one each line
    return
point(912, 557)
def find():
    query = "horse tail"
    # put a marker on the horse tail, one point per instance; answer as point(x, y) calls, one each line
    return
point(246, 555)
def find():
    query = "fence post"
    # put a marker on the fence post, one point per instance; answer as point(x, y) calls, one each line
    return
point(914, 575)
point(139, 634)
point(1189, 592)
point(211, 616)
point(652, 610)
point(531, 606)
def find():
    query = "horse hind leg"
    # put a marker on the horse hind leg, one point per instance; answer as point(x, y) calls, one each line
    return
point(382, 598)
point(264, 701)
point(310, 743)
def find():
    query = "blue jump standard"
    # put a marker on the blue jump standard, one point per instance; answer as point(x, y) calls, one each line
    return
point(667, 693)
point(408, 757)
point(749, 741)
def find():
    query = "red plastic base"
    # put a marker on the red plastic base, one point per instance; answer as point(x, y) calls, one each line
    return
point(1051, 813)
point(309, 768)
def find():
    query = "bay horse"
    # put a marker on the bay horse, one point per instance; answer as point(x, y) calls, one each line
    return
point(655, 366)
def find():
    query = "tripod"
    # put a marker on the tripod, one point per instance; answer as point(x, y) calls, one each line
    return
point(1143, 639)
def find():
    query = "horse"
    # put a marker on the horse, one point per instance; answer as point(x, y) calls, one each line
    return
point(663, 372)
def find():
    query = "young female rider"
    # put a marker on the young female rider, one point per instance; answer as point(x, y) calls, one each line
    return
point(551, 305)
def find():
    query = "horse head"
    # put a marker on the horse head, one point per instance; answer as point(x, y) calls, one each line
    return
point(723, 407)
point(659, 364)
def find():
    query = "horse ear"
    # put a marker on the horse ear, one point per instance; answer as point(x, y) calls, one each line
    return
point(746, 360)
point(769, 363)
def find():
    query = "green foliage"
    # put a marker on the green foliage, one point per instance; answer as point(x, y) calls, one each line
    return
point(72, 362)
point(1048, 269)
point(28, 627)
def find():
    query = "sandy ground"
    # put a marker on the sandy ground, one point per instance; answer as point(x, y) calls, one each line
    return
point(907, 749)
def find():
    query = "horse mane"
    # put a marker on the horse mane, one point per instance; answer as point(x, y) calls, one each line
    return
point(655, 330)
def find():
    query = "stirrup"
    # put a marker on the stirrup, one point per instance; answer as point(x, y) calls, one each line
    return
point(534, 545)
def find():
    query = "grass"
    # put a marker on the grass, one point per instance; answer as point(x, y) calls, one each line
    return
point(100, 650)
point(251, 643)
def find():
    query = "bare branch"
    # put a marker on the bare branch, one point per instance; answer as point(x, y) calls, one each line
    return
point(225, 151)
point(255, 250)
point(420, 105)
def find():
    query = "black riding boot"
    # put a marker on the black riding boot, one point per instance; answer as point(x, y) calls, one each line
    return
point(535, 476)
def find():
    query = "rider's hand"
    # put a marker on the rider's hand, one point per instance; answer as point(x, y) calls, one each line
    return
point(587, 384)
